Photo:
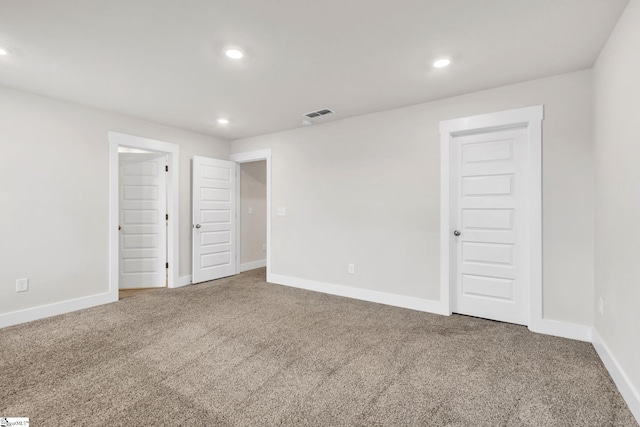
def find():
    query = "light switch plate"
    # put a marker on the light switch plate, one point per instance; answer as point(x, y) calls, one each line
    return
point(282, 211)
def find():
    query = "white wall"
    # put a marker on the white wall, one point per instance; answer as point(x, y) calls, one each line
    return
point(617, 231)
point(366, 190)
point(54, 200)
point(253, 226)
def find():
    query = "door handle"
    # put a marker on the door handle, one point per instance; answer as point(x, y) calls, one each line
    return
point(456, 233)
point(198, 226)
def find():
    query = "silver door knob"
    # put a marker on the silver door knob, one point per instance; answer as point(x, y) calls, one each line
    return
point(198, 226)
point(456, 233)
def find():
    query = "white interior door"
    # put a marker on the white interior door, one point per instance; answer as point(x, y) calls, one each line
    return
point(214, 218)
point(143, 228)
point(489, 209)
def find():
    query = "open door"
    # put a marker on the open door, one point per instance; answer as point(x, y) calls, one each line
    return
point(143, 227)
point(214, 218)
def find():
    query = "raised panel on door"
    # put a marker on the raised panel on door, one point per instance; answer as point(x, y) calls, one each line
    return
point(214, 218)
point(489, 212)
point(143, 233)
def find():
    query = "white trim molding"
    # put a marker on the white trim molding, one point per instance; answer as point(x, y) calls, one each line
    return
point(43, 311)
point(251, 156)
point(531, 119)
point(562, 329)
point(626, 388)
point(173, 242)
point(184, 281)
point(428, 306)
point(252, 265)
point(247, 157)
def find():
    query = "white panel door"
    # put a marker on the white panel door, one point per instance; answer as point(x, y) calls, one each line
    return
point(214, 219)
point(143, 227)
point(489, 208)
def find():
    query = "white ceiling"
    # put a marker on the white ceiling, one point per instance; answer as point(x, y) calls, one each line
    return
point(162, 60)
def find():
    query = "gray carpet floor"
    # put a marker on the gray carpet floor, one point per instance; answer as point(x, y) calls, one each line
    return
point(241, 352)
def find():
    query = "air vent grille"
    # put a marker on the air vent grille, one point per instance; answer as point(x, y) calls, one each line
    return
point(318, 113)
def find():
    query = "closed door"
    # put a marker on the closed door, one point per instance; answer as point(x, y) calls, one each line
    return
point(214, 219)
point(489, 208)
point(143, 229)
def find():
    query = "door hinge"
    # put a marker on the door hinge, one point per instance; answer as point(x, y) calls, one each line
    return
point(167, 265)
point(166, 168)
point(167, 217)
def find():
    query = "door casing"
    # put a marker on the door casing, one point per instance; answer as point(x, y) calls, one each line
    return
point(529, 118)
point(173, 250)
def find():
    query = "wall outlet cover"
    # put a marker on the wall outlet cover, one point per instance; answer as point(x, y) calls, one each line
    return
point(22, 285)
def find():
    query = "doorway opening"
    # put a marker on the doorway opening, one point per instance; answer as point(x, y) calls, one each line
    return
point(253, 215)
point(142, 225)
point(255, 168)
point(143, 213)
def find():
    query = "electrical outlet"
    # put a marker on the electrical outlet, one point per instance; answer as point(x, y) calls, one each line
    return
point(250, 210)
point(22, 285)
point(601, 305)
point(264, 247)
point(282, 211)
point(352, 268)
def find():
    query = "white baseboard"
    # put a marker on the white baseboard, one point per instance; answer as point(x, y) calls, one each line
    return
point(252, 265)
point(544, 326)
point(625, 386)
point(183, 281)
point(562, 329)
point(413, 303)
point(35, 313)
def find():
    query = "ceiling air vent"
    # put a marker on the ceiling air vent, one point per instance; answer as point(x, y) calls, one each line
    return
point(314, 114)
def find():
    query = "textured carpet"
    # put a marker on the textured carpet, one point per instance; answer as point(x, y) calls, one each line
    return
point(239, 351)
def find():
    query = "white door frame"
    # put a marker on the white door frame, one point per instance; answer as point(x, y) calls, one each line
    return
point(172, 151)
point(531, 119)
point(248, 157)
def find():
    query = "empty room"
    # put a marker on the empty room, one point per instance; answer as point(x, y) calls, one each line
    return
point(323, 213)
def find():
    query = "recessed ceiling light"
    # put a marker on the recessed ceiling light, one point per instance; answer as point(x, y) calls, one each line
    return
point(4, 51)
point(234, 53)
point(440, 63)
point(223, 121)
